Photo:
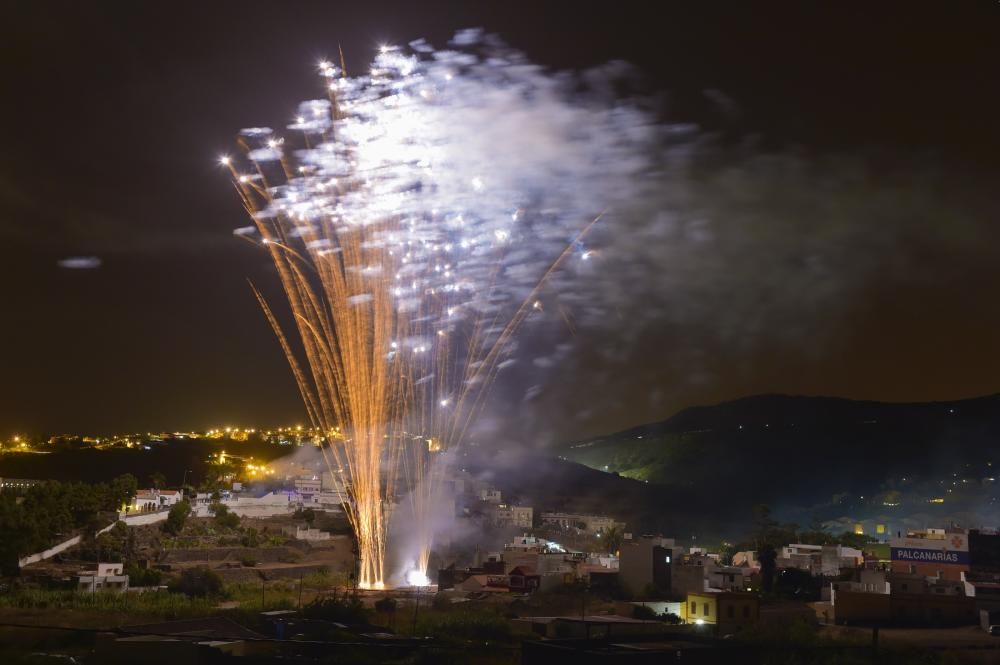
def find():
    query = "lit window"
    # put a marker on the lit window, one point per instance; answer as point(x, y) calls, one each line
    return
point(667, 558)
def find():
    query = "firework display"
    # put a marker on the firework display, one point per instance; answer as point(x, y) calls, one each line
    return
point(418, 216)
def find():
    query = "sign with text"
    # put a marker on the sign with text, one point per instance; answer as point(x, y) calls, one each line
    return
point(915, 555)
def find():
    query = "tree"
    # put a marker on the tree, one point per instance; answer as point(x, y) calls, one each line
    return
point(613, 538)
point(797, 584)
point(122, 490)
point(644, 612)
point(224, 518)
point(768, 558)
point(177, 517)
point(307, 514)
point(853, 540)
point(157, 480)
point(763, 524)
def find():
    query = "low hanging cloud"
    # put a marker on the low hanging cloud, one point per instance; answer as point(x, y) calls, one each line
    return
point(80, 263)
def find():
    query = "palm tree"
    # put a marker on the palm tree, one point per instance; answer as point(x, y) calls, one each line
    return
point(613, 538)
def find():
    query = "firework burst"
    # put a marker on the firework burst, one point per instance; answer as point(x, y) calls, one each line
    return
point(415, 216)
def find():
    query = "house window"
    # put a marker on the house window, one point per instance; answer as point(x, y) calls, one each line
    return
point(694, 607)
point(666, 559)
point(704, 609)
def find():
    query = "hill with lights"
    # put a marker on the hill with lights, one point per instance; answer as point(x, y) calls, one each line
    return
point(817, 459)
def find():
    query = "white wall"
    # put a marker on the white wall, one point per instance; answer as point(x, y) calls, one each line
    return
point(138, 519)
point(56, 549)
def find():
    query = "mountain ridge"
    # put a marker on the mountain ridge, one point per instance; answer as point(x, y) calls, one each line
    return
point(816, 459)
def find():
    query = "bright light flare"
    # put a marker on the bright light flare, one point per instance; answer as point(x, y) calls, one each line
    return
point(417, 578)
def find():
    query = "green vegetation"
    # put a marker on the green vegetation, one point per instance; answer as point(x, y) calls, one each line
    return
point(643, 612)
point(198, 583)
point(465, 625)
point(345, 609)
point(177, 517)
point(307, 514)
point(159, 603)
point(51, 511)
point(117, 544)
point(224, 518)
point(143, 577)
point(387, 605)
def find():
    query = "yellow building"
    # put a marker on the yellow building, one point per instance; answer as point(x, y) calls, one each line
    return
point(727, 612)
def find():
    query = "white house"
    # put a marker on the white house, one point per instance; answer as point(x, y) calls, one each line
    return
point(149, 500)
point(107, 577)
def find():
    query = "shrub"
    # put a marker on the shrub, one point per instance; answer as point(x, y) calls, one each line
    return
point(198, 583)
point(248, 562)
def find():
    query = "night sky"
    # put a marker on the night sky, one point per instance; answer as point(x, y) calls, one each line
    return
point(114, 114)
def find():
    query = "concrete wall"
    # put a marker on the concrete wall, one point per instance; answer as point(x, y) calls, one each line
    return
point(625, 608)
point(49, 553)
point(688, 579)
point(57, 549)
point(139, 519)
point(635, 566)
point(904, 609)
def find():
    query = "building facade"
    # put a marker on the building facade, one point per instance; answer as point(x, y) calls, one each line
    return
point(726, 612)
point(646, 561)
point(932, 553)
